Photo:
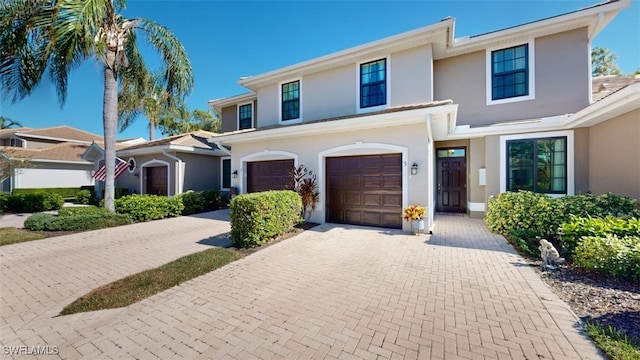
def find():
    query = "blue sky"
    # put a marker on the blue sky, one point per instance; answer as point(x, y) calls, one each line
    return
point(226, 40)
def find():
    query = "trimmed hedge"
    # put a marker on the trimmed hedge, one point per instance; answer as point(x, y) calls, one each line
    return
point(578, 227)
point(85, 197)
point(35, 202)
point(49, 222)
point(82, 210)
point(149, 207)
point(521, 216)
point(118, 193)
point(200, 201)
point(66, 193)
point(610, 255)
point(258, 217)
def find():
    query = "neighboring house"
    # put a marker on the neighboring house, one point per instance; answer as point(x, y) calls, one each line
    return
point(169, 166)
point(46, 158)
point(426, 118)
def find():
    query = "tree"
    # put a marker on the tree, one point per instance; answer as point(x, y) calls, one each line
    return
point(147, 95)
point(186, 122)
point(58, 35)
point(603, 62)
point(6, 123)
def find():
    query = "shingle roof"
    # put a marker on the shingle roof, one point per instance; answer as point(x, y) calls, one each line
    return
point(196, 139)
point(62, 152)
point(603, 86)
point(61, 132)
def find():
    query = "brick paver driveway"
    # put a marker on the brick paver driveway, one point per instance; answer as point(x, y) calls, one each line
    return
point(332, 292)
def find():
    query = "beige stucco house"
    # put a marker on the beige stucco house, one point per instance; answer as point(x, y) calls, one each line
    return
point(426, 118)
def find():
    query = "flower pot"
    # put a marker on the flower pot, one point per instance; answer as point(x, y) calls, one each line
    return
point(417, 226)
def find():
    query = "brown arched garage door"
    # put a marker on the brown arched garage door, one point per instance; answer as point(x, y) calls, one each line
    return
point(269, 175)
point(365, 190)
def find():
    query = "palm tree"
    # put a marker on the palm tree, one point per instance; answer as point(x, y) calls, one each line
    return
point(58, 35)
point(148, 95)
point(6, 123)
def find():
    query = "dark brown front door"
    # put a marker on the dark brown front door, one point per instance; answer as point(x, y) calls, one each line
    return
point(157, 180)
point(365, 190)
point(268, 175)
point(452, 180)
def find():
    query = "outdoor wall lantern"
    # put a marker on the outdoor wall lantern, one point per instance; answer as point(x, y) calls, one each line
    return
point(235, 174)
point(414, 169)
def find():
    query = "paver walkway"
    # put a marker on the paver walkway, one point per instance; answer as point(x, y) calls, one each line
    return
point(334, 291)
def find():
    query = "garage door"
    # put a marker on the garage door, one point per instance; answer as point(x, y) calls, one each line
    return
point(268, 175)
point(365, 190)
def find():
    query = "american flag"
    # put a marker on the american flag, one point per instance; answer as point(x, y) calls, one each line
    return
point(121, 166)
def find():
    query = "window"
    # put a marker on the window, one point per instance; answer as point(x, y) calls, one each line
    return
point(538, 165)
point(226, 173)
point(373, 83)
point(245, 117)
point(291, 100)
point(16, 142)
point(510, 72)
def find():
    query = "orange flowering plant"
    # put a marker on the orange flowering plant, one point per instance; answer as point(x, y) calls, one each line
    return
point(414, 212)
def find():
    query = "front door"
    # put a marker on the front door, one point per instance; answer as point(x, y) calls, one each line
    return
point(451, 166)
point(157, 180)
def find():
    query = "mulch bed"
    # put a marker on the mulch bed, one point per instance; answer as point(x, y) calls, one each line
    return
point(596, 298)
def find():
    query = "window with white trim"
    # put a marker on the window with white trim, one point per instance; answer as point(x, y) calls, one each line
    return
point(510, 73)
point(290, 95)
point(538, 165)
point(245, 116)
point(373, 83)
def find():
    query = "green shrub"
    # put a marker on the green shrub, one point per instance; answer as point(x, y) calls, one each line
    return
point(118, 193)
point(578, 227)
point(35, 202)
point(84, 197)
point(66, 193)
point(82, 210)
point(149, 207)
point(48, 222)
point(200, 201)
point(521, 216)
point(258, 217)
point(610, 255)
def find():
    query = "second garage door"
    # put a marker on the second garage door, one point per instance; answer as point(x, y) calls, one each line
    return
point(365, 190)
point(268, 175)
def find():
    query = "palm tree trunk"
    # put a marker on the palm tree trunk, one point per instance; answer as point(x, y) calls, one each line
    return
point(110, 120)
point(152, 130)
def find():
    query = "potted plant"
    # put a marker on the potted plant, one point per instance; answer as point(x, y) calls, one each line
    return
point(415, 214)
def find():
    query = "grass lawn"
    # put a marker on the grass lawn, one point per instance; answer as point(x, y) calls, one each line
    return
point(615, 344)
point(11, 235)
point(137, 287)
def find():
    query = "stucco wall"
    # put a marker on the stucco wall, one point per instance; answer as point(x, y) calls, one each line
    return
point(614, 164)
point(229, 118)
point(410, 76)
point(137, 184)
point(269, 106)
point(307, 150)
point(581, 159)
point(329, 93)
point(49, 175)
point(201, 172)
point(562, 65)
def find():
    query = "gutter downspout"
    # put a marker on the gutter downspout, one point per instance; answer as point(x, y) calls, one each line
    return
point(179, 172)
point(430, 188)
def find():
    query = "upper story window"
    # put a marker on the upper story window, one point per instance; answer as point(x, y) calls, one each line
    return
point(291, 100)
point(245, 116)
point(16, 142)
point(373, 83)
point(510, 74)
point(538, 165)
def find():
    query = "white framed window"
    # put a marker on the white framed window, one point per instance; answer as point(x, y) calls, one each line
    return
point(132, 165)
point(245, 116)
point(15, 142)
point(290, 99)
point(225, 173)
point(510, 73)
point(373, 85)
point(539, 162)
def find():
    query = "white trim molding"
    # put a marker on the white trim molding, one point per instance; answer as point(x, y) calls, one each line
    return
point(540, 135)
point(265, 155)
point(531, 61)
point(360, 148)
point(143, 176)
point(299, 118)
point(387, 70)
point(476, 206)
